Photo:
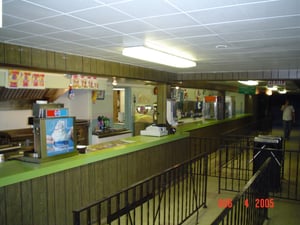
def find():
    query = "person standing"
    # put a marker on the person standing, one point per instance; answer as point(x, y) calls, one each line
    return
point(288, 116)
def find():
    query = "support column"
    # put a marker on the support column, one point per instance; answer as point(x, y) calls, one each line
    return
point(162, 95)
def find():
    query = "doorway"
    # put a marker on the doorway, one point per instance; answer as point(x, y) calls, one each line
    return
point(118, 105)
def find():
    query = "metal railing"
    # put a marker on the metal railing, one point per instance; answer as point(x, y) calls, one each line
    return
point(231, 159)
point(170, 197)
point(250, 206)
point(235, 167)
point(228, 146)
point(290, 180)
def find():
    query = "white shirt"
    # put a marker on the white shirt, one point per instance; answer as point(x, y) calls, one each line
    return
point(288, 111)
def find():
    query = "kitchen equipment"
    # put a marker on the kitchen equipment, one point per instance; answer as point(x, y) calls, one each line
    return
point(154, 130)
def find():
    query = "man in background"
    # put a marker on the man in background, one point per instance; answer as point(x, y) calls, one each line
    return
point(288, 116)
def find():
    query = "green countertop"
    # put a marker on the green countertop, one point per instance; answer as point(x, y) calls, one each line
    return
point(15, 171)
point(194, 124)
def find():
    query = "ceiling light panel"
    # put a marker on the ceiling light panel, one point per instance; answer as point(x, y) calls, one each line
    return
point(155, 56)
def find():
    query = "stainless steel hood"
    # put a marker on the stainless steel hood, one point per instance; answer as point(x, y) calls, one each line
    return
point(10, 98)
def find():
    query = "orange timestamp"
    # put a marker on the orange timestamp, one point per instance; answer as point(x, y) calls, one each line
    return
point(259, 203)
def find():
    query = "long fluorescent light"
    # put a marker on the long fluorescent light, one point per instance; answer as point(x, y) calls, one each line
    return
point(152, 55)
point(249, 82)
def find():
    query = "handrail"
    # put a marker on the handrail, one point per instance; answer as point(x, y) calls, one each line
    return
point(179, 191)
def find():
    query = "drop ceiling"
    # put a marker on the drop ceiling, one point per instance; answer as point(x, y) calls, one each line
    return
point(221, 35)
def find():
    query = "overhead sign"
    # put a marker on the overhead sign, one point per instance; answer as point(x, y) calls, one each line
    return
point(25, 79)
point(276, 83)
point(247, 90)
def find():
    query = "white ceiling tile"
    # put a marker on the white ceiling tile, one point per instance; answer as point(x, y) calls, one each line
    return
point(66, 35)
point(39, 40)
point(205, 40)
point(32, 12)
point(34, 28)
point(65, 46)
point(193, 5)
point(133, 26)
point(189, 31)
point(171, 21)
point(11, 20)
point(220, 15)
point(153, 35)
point(102, 15)
point(263, 34)
point(65, 6)
point(8, 34)
point(64, 22)
point(96, 32)
point(153, 8)
point(273, 9)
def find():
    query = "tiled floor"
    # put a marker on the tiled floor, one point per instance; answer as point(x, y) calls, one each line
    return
point(285, 212)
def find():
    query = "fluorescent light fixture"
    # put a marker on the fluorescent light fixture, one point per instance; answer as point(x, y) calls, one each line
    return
point(272, 87)
point(283, 91)
point(269, 92)
point(152, 55)
point(249, 82)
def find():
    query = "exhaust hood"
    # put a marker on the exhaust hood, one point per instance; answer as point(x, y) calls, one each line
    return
point(10, 94)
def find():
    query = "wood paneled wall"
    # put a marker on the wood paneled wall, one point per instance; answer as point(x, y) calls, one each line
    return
point(49, 200)
point(15, 56)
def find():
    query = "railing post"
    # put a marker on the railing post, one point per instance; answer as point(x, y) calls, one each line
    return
point(76, 218)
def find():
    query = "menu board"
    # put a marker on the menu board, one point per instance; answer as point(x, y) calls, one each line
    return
point(25, 79)
point(84, 82)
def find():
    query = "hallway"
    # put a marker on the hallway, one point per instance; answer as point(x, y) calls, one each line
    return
point(285, 212)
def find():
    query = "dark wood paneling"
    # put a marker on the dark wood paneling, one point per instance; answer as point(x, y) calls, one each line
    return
point(39, 199)
point(2, 53)
point(13, 204)
point(51, 206)
point(60, 61)
point(107, 68)
point(60, 199)
point(25, 56)
point(50, 60)
point(93, 66)
point(30, 58)
point(86, 65)
point(2, 206)
point(124, 70)
point(12, 54)
point(39, 58)
point(100, 67)
point(115, 69)
point(73, 192)
point(26, 193)
point(74, 63)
